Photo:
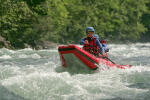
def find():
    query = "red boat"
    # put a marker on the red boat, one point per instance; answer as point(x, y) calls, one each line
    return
point(74, 54)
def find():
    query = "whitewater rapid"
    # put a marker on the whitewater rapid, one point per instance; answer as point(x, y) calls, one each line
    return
point(29, 74)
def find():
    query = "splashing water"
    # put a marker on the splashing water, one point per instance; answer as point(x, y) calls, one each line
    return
point(38, 75)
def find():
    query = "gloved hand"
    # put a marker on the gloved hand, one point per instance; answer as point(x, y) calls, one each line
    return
point(107, 50)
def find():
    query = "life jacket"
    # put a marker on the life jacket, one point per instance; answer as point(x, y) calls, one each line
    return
point(92, 47)
point(103, 41)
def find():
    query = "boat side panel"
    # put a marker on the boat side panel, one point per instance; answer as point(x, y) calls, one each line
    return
point(86, 61)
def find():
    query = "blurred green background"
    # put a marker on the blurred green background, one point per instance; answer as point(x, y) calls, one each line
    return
point(64, 21)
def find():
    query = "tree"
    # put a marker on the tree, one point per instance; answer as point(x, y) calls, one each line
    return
point(16, 17)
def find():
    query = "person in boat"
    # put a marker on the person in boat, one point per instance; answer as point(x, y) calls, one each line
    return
point(103, 42)
point(91, 43)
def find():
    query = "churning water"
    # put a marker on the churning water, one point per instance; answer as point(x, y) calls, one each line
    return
point(37, 75)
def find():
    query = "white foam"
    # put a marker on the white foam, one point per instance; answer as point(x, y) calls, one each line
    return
point(5, 57)
point(22, 56)
point(35, 56)
point(40, 81)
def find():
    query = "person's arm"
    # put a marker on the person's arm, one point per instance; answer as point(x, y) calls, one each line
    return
point(82, 41)
point(106, 48)
point(100, 46)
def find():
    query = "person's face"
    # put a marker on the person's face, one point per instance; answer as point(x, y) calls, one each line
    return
point(90, 34)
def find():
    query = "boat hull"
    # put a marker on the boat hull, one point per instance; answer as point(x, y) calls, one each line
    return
point(74, 54)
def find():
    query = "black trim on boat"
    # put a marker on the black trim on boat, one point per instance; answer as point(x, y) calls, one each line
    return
point(67, 49)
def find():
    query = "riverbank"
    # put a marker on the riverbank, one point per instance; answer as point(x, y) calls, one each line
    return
point(5, 44)
point(38, 45)
point(42, 44)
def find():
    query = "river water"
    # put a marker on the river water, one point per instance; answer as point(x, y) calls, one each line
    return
point(28, 74)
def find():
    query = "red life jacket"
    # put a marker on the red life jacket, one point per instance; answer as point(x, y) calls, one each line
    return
point(92, 47)
point(102, 41)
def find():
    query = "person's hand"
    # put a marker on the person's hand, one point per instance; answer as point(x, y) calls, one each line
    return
point(86, 42)
point(104, 54)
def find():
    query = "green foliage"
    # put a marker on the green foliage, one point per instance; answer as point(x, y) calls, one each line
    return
point(65, 21)
point(15, 19)
point(146, 16)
